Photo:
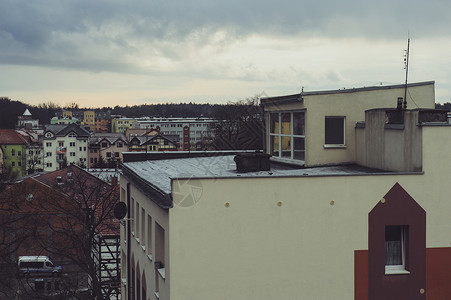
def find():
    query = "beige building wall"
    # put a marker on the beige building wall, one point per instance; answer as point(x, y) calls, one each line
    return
point(67, 114)
point(89, 120)
point(120, 125)
point(113, 148)
point(143, 245)
point(302, 248)
point(351, 104)
point(392, 147)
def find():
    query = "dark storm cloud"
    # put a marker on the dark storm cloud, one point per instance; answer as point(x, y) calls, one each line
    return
point(114, 35)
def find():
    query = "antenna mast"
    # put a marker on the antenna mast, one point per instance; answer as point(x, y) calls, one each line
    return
point(406, 66)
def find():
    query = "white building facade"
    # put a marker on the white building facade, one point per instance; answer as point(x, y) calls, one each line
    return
point(63, 145)
point(192, 131)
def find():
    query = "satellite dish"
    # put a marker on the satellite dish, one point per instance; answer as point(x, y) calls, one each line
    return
point(120, 210)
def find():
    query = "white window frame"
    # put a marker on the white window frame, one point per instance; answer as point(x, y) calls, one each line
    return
point(291, 135)
point(399, 269)
point(339, 145)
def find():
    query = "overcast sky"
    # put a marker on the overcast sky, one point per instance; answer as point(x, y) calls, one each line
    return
point(109, 52)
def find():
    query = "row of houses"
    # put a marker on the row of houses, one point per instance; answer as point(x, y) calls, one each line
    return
point(348, 200)
point(199, 129)
point(193, 133)
point(98, 121)
point(24, 152)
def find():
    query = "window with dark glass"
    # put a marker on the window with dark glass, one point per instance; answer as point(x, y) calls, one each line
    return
point(334, 131)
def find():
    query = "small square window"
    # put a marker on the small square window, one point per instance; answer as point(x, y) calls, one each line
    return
point(334, 131)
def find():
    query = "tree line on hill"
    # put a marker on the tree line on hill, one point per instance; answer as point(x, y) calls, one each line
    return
point(446, 105)
point(11, 109)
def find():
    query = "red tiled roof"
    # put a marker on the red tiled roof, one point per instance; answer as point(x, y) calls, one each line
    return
point(109, 226)
point(11, 137)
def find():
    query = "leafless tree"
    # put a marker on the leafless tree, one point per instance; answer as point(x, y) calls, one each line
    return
point(90, 214)
point(239, 126)
point(59, 214)
point(35, 159)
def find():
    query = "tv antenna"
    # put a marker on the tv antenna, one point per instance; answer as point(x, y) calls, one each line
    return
point(406, 67)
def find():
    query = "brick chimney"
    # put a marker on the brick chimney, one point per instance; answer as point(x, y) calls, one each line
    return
point(113, 181)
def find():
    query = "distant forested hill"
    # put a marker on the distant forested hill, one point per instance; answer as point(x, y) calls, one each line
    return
point(166, 110)
point(446, 106)
point(11, 109)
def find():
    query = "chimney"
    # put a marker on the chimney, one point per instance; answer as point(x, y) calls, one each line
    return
point(113, 181)
point(252, 162)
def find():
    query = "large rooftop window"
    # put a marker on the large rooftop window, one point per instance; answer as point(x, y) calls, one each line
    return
point(287, 135)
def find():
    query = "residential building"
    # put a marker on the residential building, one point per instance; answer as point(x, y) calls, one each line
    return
point(120, 125)
point(314, 128)
point(13, 147)
point(67, 114)
point(93, 120)
point(89, 120)
point(34, 151)
point(248, 226)
point(26, 121)
point(105, 149)
point(194, 133)
point(131, 132)
point(64, 121)
point(63, 145)
point(103, 121)
point(102, 125)
point(157, 142)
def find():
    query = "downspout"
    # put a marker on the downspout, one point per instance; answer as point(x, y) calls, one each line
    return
point(129, 275)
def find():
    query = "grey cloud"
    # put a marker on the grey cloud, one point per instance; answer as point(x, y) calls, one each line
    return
point(103, 33)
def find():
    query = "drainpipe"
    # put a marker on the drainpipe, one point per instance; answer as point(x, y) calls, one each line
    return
point(129, 274)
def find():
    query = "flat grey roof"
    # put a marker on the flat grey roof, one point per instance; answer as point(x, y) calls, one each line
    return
point(268, 101)
point(159, 173)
